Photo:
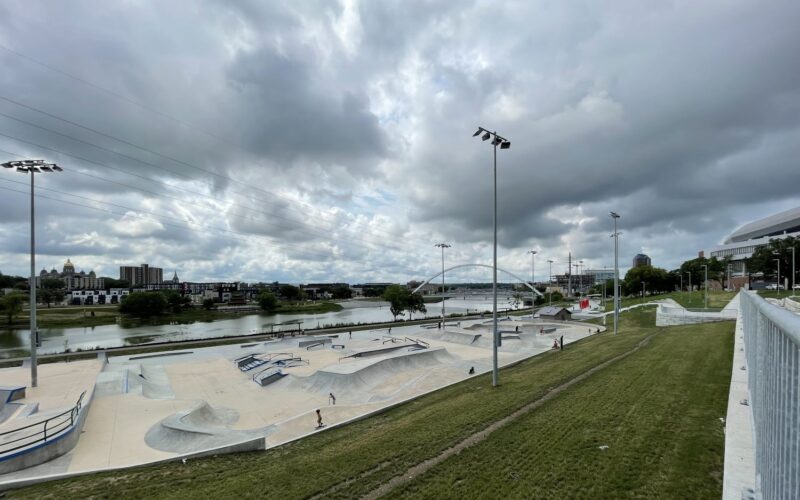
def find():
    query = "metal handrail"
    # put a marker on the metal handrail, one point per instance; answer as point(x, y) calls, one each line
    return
point(56, 429)
point(772, 350)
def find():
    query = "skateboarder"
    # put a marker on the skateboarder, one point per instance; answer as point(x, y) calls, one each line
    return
point(472, 370)
point(561, 343)
point(319, 419)
point(351, 334)
point(331, 399)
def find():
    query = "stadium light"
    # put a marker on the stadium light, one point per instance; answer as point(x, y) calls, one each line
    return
point(33, 167)
point(496, 340)
point(615, 216)
point(443, 246)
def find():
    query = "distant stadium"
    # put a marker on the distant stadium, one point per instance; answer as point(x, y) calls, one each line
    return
point(743, 242)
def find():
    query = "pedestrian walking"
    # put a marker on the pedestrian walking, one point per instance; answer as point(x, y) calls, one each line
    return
point(351, 334)
point(331, 399)
point(561, 343)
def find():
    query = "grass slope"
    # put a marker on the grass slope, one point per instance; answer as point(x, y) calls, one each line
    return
point(353, 460)
point(657, 411)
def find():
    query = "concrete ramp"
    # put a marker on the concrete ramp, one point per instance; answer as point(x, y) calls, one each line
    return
point(151, 381)
point(201, 427)
point(455, 336)
point(358, 376)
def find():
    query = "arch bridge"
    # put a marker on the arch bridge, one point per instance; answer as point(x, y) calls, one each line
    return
point(460, 266)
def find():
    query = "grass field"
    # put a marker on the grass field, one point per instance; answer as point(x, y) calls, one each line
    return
point(657, 410)
point(691, 300)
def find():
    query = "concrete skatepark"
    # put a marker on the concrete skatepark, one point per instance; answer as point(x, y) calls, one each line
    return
point(147, 408)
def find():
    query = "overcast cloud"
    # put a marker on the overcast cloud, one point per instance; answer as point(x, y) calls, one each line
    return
point(325, 141)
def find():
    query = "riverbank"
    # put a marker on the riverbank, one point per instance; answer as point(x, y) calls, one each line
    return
point(87, 316)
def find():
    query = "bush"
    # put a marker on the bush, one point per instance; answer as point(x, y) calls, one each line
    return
point(143, 304)
point(268, 301)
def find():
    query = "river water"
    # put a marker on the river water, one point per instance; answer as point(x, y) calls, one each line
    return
point(14, 343)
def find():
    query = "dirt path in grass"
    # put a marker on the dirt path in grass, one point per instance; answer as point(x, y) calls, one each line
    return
point(479, 436)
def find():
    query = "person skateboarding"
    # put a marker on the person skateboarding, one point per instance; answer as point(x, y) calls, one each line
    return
point(320, 425)
point(331, 399)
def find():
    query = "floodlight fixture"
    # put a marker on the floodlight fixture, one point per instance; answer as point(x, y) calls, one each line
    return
point(486, 136)
point(478, 132)
point(505, 145)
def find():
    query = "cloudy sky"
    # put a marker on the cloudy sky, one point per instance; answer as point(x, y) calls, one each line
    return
point(321, 141)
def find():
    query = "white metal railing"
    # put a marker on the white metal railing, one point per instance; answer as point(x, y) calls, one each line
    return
point(772, 349)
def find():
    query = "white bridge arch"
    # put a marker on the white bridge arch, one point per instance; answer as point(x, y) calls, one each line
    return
point(478, 265)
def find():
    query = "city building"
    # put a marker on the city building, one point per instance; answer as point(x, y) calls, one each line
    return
point(72, 280)
point(141, 275)
point(640, 260)
point(91, 297)
point(600, 275)
point(578, 282)
point(741, 244)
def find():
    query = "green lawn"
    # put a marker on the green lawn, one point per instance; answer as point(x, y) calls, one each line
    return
point(674, 388)
point(657, 411)
point(691, 300)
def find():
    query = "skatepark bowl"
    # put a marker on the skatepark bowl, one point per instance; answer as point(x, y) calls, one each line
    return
point(134, 410)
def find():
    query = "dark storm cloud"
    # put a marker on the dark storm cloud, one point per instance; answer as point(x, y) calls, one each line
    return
point(345, 128)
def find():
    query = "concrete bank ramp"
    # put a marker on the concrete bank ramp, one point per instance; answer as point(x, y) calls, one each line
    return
point(357, 377)
point(199, 428)
point(151, 381)
point(454, 336)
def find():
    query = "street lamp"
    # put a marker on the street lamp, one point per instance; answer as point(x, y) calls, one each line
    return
point(793, 274)
point(442, 246)
point(705, 289)
point(778, 285)
point(615, 216)
point(533, 281)
point(504, 144)
point(644, 294)
point(33, 167)
point(550, 282)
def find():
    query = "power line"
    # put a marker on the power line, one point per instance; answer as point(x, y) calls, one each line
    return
point(322, 232)
point(161, 155)
point(240, 236)
point(160, 167)
point(111, 92)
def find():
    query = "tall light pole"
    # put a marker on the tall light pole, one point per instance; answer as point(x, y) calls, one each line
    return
point(793, 274)
point(580, 277)
point(442, 246)
point(615, 216)
point(681, 276)
point(705, 288)
point(533, 281)
point(778, 286)
point(550, 283)
point(690, 285)
point(504, 144)
point(33, 167)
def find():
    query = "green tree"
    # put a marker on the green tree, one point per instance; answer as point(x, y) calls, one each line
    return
point(208, 304)
point(655, 279)
point(290, 292)
point(52, 290)
point(763, 258)
point(397, 297)
point(716, 269)
point(176, 302)
point(341, 292)
point(267, 301)
point(143, 304)
point(11, 305)
point(414, 303)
